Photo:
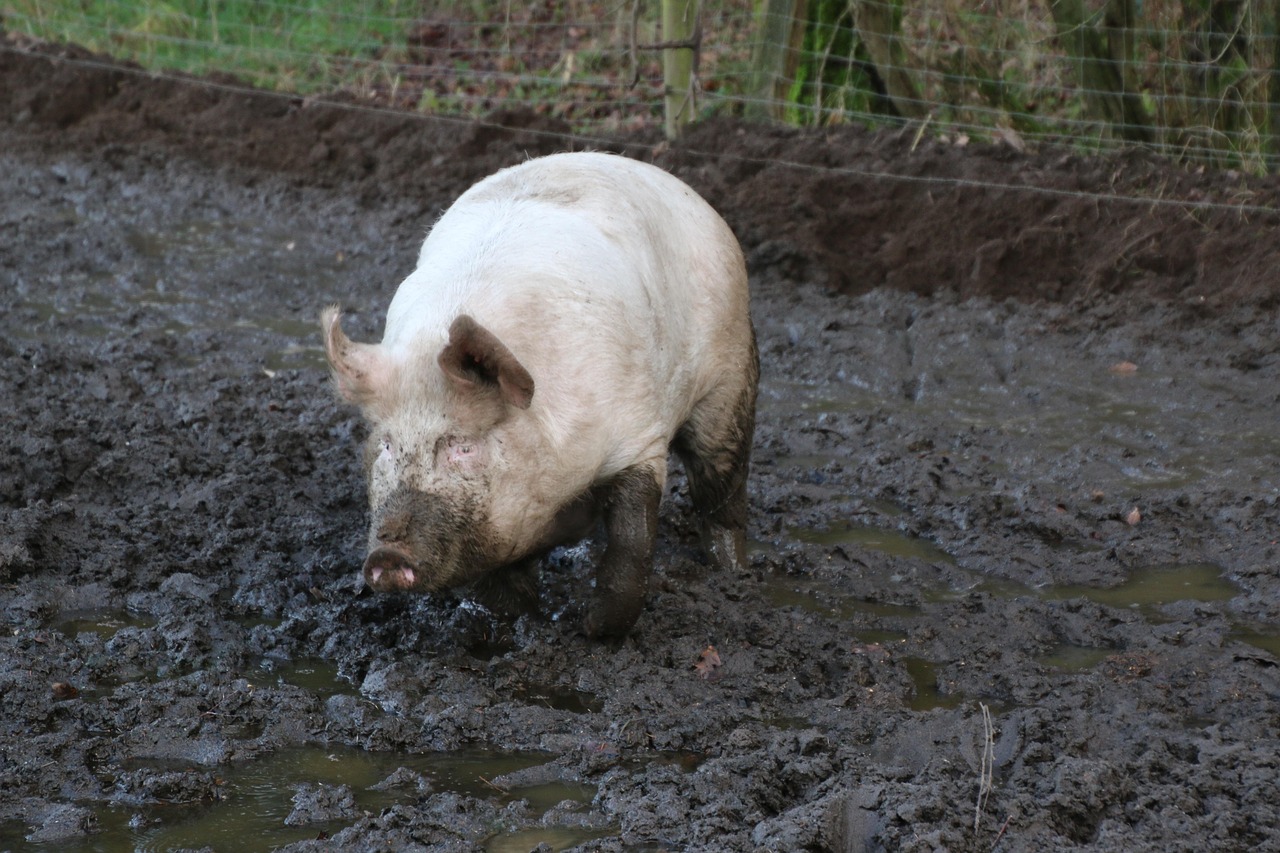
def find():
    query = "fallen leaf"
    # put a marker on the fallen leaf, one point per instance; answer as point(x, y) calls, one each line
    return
point(1124, 368)
point(1010, 137)
point(708, 662)
point(63, 690)
point(875, 651)
point(1133, 516)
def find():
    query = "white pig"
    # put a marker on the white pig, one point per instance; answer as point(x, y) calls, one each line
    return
point(570, 320)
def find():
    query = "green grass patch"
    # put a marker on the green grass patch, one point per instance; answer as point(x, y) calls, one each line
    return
point(304, 45)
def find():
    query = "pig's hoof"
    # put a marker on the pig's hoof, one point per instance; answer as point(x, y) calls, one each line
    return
point(604, 622)
point(726, 547)
point(389, 569)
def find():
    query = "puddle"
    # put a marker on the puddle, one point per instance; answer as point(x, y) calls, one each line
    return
point(924, 675)
point(889, 542)
point(556, 838)
point(1148, 589)
point(105, 623)
point(257, 797)
point(996, 587)
point(1074, 659)
point(319, 677)
point(560, 699)
point(814, 397)
point(815, 596)
point(155, 285)
point(1268, 641)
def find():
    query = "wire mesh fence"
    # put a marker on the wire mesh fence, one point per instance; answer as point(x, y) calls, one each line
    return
point(1197, 80)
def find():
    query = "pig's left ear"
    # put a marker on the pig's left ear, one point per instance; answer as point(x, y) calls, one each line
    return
point(361, 372)
point(475, 359)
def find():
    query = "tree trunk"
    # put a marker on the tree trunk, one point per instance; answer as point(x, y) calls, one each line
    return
point(1101, 57)
point(874, 22)
point(780, 27)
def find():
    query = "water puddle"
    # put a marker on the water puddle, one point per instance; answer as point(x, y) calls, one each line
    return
point(1074, 659)
point(556, 838)
point(1149, 589)
point(928, 696)
point(104, 623)
point(815, 596)
point(316, 676)
point(1267, 640)
point(164, 281)
point(814, 397)
point(886, 541)
point(560, 699)
point(1146, 589)
point(255, 799)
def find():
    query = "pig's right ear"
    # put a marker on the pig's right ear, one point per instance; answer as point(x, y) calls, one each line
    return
point(360, 371)
point(476, 361)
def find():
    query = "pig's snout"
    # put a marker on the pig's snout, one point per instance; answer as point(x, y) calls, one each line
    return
point(388, 569)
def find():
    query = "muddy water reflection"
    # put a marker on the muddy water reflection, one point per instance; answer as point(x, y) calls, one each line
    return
point(103, 623)
point(1074, 659)
point(1163, 427)
point(257, 797)
point(185, 277)
point(889, 542)
point(1150, 588)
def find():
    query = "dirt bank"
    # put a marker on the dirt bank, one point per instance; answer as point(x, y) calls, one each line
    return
point(1016, 449)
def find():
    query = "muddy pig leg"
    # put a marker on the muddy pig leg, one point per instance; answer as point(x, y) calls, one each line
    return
point(630, 504)
point(715, 447)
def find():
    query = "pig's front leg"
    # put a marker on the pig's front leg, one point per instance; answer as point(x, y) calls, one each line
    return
point(510, 591)
point(631, 524)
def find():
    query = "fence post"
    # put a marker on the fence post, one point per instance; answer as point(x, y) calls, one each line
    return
point(779, 29)
point(1100, 54)
point(679, 21)
point(879, 34)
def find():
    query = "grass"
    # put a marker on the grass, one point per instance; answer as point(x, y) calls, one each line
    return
point(301, 45)
point(996, 71)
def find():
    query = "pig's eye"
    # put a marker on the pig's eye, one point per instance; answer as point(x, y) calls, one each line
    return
point(460, 451)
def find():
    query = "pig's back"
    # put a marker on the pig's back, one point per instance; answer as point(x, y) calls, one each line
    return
point(617, 286)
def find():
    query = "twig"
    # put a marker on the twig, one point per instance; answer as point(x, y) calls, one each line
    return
point(986, 774)
point(494, 785)
point(1000, 834)
point(920, 132)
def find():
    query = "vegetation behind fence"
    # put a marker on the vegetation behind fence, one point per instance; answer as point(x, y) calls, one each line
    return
point(1197, 80)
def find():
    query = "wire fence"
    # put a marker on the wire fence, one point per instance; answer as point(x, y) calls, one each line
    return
point(1196, 80)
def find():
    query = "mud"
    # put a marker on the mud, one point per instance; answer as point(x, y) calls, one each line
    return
point(1016, 456)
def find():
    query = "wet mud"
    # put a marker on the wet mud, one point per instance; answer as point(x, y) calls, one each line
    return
point(1013, 576)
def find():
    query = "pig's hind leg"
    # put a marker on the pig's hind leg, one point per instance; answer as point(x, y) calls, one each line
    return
point(630, 509)
point(715, 447)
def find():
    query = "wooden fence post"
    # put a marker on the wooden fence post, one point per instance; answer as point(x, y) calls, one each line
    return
point(679, 25)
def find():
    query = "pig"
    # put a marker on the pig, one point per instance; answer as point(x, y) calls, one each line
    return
point(570, 321)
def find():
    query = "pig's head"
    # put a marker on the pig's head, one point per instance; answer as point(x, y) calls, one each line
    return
point(434, 452)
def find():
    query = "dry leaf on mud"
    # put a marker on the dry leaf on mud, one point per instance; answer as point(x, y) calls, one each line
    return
point(876, 651)
point(708, 662)
point(63, 690)
point(1124, 368)
point(1133, 516)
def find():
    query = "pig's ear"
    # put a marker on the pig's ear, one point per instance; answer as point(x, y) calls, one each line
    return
point(475, 359)
point(360, 371)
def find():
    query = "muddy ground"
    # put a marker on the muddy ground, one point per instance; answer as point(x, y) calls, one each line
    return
point(1016, 450)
